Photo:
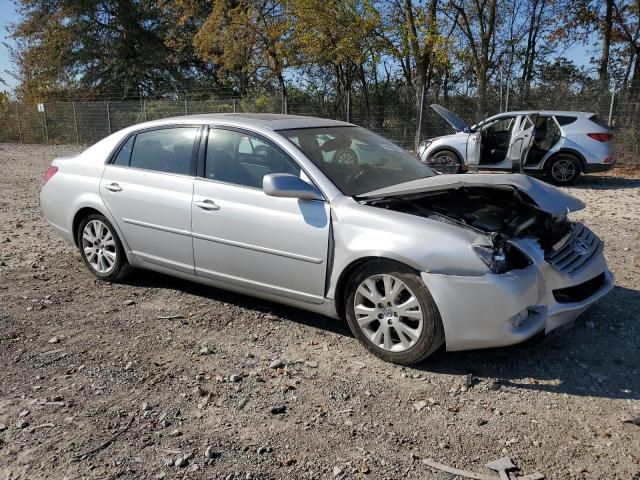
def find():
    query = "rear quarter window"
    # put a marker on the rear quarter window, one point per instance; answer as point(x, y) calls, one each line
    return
point(124, 155)
point(565, 119)
point(598, 121)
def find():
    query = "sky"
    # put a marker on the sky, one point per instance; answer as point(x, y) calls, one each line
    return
point(9, 15)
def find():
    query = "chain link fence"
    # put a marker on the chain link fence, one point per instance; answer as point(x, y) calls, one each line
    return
point(395, 114)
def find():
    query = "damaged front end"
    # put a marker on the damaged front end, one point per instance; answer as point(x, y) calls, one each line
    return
point(500, 213)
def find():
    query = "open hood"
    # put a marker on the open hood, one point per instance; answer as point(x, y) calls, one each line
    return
point(542, 195)
point(451, 118)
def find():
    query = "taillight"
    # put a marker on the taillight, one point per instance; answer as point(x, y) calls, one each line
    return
point(51, 171)
point(601, 137)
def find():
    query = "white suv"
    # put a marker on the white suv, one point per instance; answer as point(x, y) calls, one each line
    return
point(560, 145)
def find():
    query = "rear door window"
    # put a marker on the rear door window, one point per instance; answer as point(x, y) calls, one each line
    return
point(168, 150)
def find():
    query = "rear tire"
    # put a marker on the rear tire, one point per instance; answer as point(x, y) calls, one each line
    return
point(445, 161)
point(563, 170)
point(101, 249)
point(391, 312)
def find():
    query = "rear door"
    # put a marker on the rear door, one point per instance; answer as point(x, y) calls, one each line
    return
point(521, 140)
point(244, 237)
point(148, 189)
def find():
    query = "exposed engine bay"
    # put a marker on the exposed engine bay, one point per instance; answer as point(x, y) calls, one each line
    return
point(501, 212)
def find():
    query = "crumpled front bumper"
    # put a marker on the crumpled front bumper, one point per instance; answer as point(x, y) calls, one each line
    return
point(478, 311)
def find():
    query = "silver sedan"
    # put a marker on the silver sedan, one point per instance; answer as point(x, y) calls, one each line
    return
point(329, 217)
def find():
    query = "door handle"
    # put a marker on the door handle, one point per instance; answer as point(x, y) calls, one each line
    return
point(113, 187)
point(207, 204)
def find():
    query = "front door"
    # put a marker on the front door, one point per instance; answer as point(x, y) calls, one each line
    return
point(148, 189)
point(243, 236)
point(474, 144)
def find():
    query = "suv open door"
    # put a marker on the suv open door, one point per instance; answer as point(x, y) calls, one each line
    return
point(521, 141)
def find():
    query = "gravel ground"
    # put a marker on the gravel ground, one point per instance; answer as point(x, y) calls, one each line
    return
point(162, 378)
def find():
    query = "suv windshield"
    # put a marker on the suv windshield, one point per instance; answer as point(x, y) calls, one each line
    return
point(356, 160)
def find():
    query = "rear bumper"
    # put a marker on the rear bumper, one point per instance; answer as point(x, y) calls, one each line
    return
point(480, 311)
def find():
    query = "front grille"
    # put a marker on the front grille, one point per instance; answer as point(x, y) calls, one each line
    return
point(577, 251)
point(577, 293)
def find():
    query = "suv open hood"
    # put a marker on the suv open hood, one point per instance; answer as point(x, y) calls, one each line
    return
point(544, 196)
point(451, 118)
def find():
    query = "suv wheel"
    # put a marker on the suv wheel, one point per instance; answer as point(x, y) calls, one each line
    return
point(445, 161)
point(563, 170)
point(101, 249)
point(391, 312)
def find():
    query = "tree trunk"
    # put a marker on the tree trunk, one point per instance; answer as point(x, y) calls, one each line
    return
point(606, 42)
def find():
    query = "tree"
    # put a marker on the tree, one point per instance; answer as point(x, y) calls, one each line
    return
point(412, 38)
point(107, 46)
point(338, 34)
point(250, 41)
point(477, 22)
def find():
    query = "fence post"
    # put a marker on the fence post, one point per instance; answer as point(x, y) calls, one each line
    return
point(186, 107)
point(613, 97)
point(348, 105)
point(108, 116)
point(419, 132)
point(44, 124)
point(19, 125)
point(144, 110)
point(75, 122)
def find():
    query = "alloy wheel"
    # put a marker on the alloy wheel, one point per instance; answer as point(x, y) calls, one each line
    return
point(99, 246)
point(563, 170)
point(388, 313)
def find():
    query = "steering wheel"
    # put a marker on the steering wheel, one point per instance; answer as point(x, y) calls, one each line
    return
point(358, 173)
point(261, 150)
point(346, 156)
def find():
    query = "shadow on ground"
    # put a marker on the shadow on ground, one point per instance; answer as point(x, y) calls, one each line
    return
point(599, 356)
point(594, 182)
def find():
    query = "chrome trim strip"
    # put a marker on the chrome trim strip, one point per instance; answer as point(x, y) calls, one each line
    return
point(177, 231)
point(256, 248)
point(232, 243)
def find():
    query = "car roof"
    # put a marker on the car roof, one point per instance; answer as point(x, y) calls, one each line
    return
point(547, 112)
point(271, 121)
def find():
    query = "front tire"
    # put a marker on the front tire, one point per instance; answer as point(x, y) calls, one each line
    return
point(101, 249)
point(445, 161)
point(391, 312)
point(563, 170)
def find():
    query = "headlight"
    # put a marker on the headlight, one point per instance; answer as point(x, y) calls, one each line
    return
point(496, 259)
point(423, 146)
point(501, 256)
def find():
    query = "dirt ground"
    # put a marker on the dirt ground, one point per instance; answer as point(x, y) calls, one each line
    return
point(162, 378)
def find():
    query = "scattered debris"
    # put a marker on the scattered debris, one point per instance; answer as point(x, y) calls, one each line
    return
point(102, 446)
point(503, 466)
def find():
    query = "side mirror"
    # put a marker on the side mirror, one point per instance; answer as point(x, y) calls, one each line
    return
point(289, 186)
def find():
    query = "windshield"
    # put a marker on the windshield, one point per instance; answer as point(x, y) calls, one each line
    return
point(356, 160)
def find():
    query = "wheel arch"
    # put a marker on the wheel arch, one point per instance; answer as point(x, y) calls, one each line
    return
point(347, 272)
point(87, 207)
point(566, 151)
point(447, 148)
